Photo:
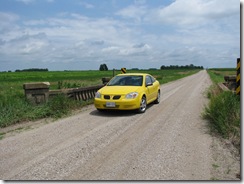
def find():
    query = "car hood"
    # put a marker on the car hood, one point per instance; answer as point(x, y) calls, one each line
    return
point(118, 90)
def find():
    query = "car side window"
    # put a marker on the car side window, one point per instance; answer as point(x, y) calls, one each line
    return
point(148, 79)
point(153, 79)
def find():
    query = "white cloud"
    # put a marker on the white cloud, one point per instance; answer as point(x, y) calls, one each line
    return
point(133, 12)
point(196, 12)
point(7, 21)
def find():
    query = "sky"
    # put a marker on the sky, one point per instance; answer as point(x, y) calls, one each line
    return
point(83, 34)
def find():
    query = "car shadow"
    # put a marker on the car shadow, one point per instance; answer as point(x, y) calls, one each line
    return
point(113, 113)
point(117, 113)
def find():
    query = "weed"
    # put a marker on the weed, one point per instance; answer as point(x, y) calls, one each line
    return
point(215, 166)
point(215, 179)
point(2, 136)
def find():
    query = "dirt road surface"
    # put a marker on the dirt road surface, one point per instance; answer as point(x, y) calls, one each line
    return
point(170, 141)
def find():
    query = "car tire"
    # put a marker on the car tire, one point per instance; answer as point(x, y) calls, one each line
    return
point(143, 105)
point(157, 101)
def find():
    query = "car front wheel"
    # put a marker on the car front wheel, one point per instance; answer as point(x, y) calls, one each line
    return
point(157, 101)
point(143, 105)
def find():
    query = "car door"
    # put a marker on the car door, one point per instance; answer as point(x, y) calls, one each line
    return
point(150, 88)
point(154, 88)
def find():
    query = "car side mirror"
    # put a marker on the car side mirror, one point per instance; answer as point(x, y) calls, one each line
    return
point(149, 84)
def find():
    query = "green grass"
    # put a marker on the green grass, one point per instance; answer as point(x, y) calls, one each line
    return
point(217, 75)
point(15, 80)
point(223, 111)
point(15, 109)
point(215, 166)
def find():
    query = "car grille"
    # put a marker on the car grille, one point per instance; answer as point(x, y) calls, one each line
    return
point(108, 97)
point(116, 97)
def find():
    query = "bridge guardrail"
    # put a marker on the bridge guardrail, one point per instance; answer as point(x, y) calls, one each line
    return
point(38, 93)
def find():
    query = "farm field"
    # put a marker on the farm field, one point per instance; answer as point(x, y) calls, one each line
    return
point(14, 108)
point(69, 79)
point(217, 74)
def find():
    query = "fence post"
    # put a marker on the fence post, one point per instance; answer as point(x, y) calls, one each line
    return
point(238, 76)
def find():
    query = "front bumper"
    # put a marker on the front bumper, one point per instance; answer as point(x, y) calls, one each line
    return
point(123, 104)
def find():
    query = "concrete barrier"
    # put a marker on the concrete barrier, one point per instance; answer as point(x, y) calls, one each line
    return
point(37, 92)
point(223, 86)
point(230, 82)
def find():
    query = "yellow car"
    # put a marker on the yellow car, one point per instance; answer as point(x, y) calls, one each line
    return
point(131, 91)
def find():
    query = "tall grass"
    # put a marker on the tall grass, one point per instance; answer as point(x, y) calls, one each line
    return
point(223, 112)
point(14, 108)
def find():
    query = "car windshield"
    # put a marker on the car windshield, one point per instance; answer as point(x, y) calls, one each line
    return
point(127, 80)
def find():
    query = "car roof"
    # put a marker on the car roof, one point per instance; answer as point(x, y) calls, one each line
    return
point(128, 74)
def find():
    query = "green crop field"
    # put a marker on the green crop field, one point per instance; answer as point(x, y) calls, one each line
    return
point(68, 79)
point(217, 74)
point(14, 108)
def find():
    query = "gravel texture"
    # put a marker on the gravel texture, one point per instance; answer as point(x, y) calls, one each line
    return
point(170, 141)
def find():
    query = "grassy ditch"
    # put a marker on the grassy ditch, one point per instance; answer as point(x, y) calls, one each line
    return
point(15, 109)
point(223, 111)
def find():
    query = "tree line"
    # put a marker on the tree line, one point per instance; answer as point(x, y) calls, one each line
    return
point(191, 66)
point(33, 70)
point(103, 67)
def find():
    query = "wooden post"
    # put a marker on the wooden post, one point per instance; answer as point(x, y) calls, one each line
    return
point(238, 76)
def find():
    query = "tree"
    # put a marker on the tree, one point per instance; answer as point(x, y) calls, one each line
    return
point(103, 67)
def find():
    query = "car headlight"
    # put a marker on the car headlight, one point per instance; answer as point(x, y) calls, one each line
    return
point(132, 95)
point(98, 95)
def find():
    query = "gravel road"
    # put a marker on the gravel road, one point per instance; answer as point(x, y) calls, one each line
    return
point(170, 141)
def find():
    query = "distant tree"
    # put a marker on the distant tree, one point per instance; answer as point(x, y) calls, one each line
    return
point(191, 66)
point(162, 67)
point(103, 67)
point(33, 70)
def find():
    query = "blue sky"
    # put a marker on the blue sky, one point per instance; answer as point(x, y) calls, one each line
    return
point(82, 34)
